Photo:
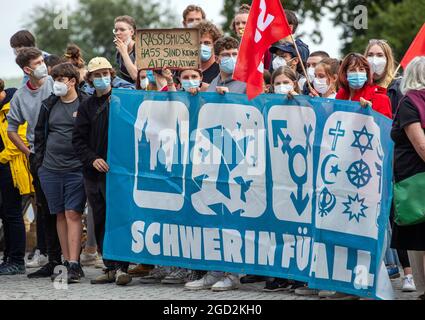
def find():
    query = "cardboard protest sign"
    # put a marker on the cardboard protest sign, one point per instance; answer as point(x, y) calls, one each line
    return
point(172, 48)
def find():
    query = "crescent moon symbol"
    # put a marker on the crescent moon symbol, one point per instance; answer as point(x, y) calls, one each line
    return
point(324, 165)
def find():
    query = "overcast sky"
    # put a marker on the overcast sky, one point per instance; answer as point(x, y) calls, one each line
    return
point(16, 17)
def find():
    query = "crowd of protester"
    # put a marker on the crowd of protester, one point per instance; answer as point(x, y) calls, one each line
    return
point(54, 141)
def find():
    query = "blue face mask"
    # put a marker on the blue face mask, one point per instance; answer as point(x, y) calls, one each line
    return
point(206, 53)
point(150, 76)
point(356, 80)
point(189, 84)
point(102, 83)
point(228, 65)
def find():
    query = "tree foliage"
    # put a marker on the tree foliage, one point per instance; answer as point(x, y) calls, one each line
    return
point(90, 24)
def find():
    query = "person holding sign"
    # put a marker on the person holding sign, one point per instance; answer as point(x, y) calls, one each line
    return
point(209, 35)
point(124, 31)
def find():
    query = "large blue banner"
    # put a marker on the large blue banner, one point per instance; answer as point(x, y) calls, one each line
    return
point(297, 189)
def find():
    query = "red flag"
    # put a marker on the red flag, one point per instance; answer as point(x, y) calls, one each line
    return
point(417, 48)
point(266, 25)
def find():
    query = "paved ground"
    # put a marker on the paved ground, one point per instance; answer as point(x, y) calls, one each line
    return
point(20, 287)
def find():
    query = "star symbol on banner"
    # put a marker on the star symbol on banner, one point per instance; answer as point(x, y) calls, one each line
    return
point(360, 142)
point(335, 170)
point(355, 208)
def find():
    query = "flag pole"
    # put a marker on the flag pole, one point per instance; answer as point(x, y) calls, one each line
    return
point(396, 71)
point(302, 63)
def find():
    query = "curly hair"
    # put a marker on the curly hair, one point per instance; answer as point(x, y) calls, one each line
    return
point(225, 43)
point(207, 27)
point(73, 55)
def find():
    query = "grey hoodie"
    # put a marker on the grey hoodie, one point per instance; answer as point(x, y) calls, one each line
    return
point(25, 107)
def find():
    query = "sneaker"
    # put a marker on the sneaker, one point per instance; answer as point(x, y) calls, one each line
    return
point(277, 284)
point(88, 259)
point(408, 284)
point(326, 294)
point(393, 272)
point(99, 262)
point(227, 283)
point(177, 276)
point(294, 285)
point(37, 261)
point(206, 282)
point(31, 254)
point(12, 269)
point(306, 291)
point(342, 296)
point(108, 276)
point(195, 275)
point(155, 276)
point(141, 270)
point(57, 274)
point(252, 279)
point(122, 278)
point(75, 273)
point(44, 272)
point(422, 297)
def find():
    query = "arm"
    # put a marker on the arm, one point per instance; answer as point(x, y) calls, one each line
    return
point(15, 119)
point(81, 137)
point(129, 65)
point(168, 75)
point(40, 138)
point(416, 135)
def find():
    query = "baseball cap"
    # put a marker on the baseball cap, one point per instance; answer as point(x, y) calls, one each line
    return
point(98, 63)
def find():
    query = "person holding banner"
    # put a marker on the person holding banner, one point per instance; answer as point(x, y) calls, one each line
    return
point(209, 35)
point(226, 51)
point(325, 78)
point(90, 141)
point(124, 31)
point(356, 84)
point(408, 134)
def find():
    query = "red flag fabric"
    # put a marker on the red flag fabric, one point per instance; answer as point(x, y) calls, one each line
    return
point(417, 48)
point(266, 25)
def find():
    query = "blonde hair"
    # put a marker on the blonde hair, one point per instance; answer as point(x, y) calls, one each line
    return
point(414, 76)
point(388, 75)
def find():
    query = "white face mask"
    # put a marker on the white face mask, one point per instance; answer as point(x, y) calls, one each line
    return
point(40, 72)
point(283, 88)
point(191, 25)
point(144, 83)
point(279, 62)
point(128, 41)
point(311, 74)
point(377, 64)
point(60, 89)
point(321, 85)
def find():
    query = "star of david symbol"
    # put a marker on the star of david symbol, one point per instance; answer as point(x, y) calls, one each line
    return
point(360, 137)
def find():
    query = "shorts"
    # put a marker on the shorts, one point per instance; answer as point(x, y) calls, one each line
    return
point(64, 191)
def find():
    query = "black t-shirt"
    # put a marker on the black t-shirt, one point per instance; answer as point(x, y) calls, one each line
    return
point(407, 161)
point(211, 73)
point(123, 72)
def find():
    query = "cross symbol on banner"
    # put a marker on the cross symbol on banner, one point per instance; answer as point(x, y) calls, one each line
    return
point(337, 133)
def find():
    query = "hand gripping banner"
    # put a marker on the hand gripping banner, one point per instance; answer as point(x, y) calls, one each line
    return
point(297, 189)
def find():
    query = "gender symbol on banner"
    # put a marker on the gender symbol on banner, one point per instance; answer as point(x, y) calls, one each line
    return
point(360, 142)
point(327, 202)
point(337, 133)
point(359, 174)
point(300, 202)
point(355, 208)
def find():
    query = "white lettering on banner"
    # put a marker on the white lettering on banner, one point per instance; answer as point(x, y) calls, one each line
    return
point(212, 244)
point(191, 242)
point(262, 22)
point(233, 246)
point(267, 244)
point(288, 250)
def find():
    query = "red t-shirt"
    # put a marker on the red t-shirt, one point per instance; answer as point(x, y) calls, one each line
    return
point(373, 93)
